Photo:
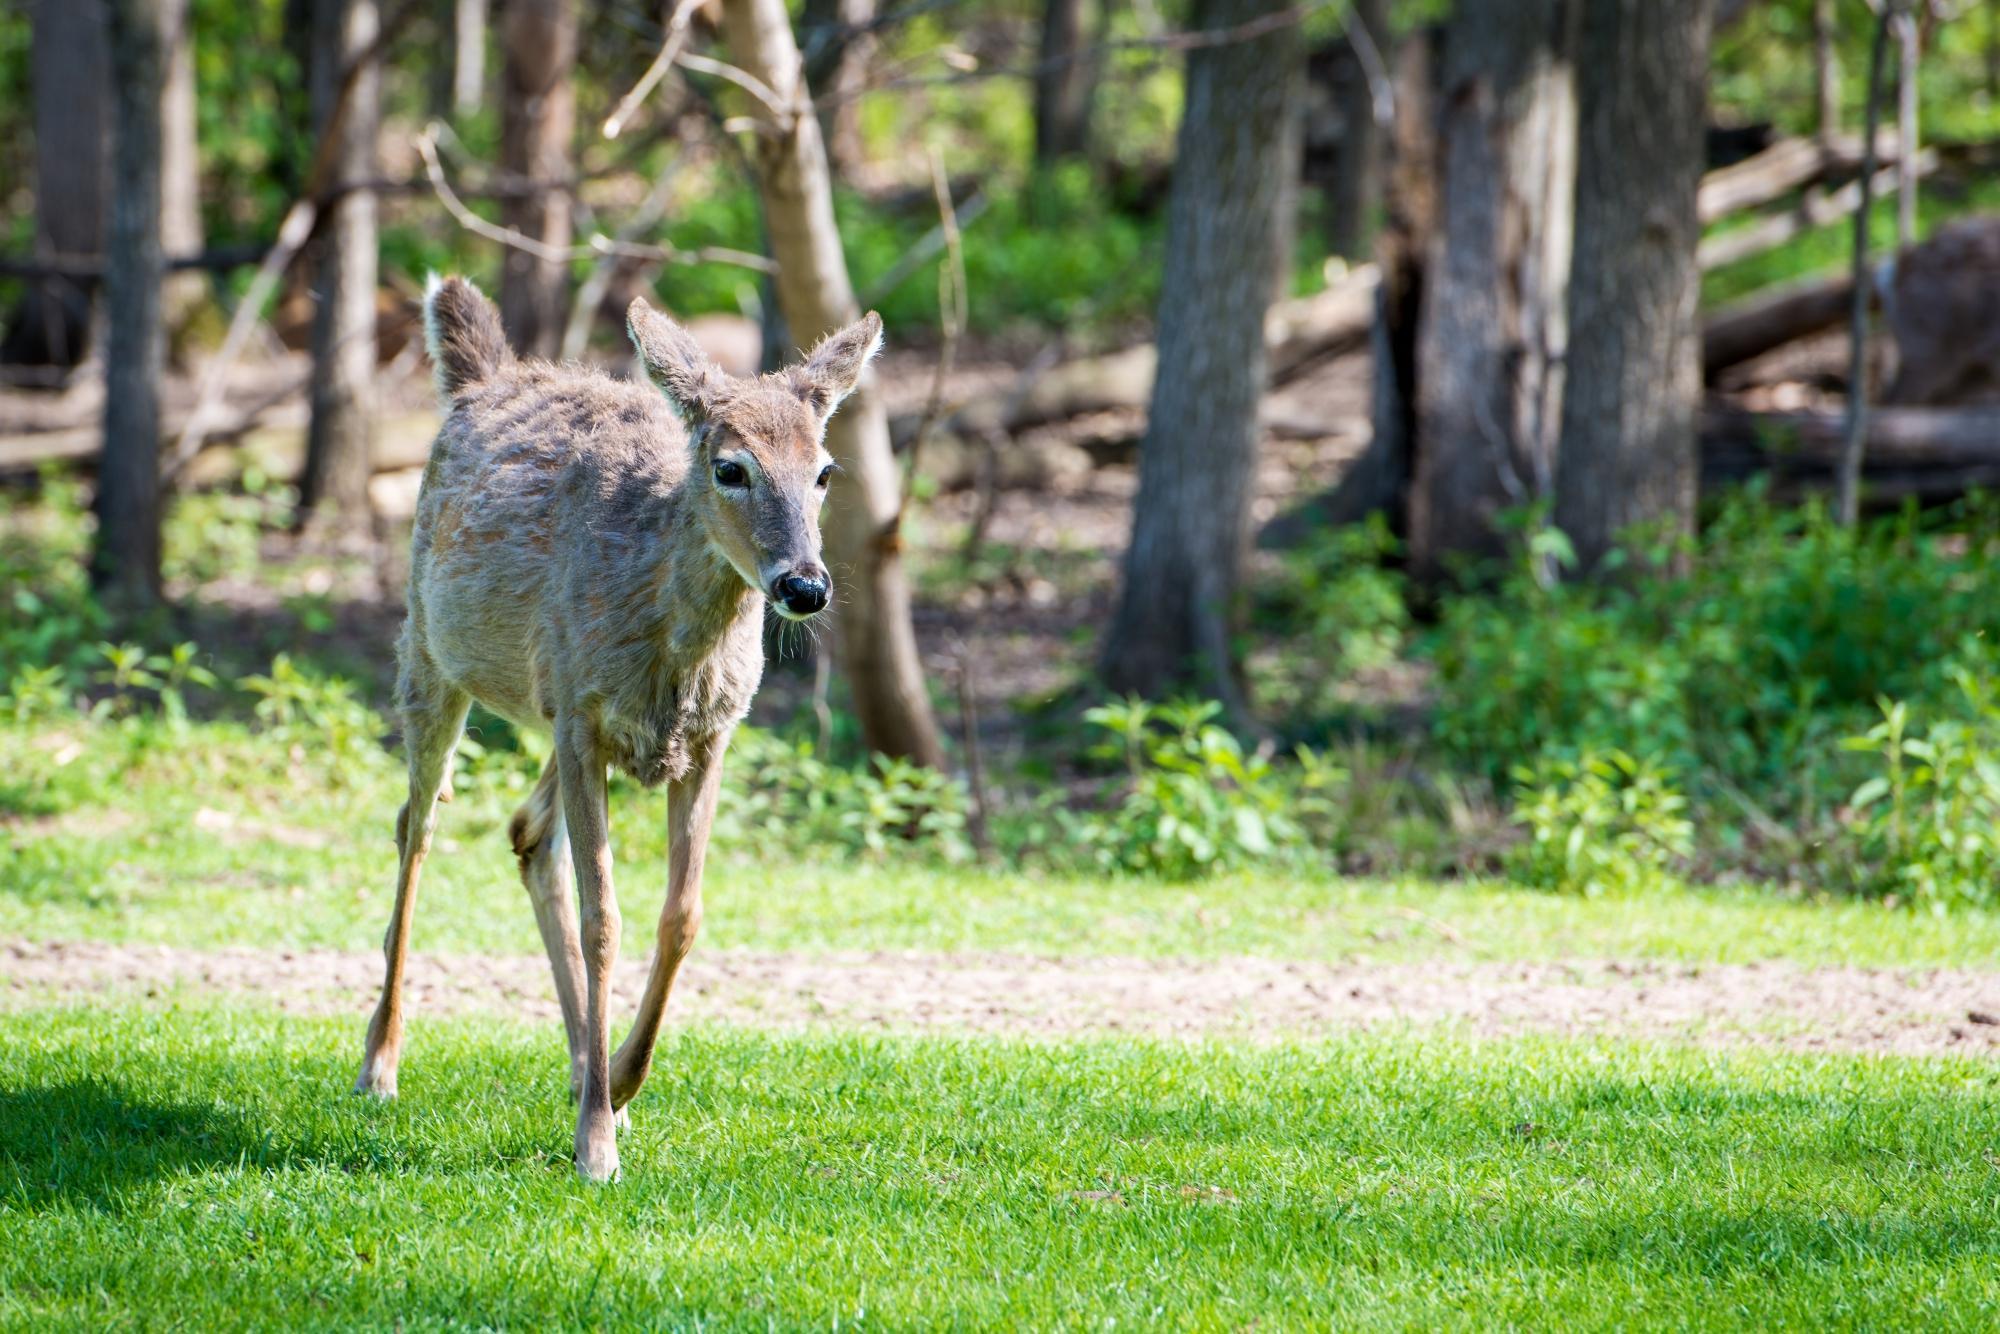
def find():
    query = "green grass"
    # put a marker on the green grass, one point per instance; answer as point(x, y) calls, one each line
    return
point(212, 837)
point(207, 1169)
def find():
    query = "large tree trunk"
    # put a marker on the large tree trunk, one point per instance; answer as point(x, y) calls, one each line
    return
point(1634, 382)
point(1493, 334)
point(1354, 186)
point(837, 49)
point(125, 563)
point(537, 123)
point(180, 171)
point(1177, 609)
point(878, 646)
point(1065, 82)
point(334, 489)
point(71, 78)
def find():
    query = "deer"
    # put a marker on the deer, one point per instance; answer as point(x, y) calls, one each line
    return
point(592, 557)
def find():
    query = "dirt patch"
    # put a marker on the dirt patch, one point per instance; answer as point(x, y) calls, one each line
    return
point(1773, 1004)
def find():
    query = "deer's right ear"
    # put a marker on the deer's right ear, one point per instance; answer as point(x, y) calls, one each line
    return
point(674, 361)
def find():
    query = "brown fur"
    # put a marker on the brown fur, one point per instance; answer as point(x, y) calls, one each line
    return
point(577, 564)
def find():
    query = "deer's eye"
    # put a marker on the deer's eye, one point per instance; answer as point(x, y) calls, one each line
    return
point(730, 473)
point(826, 474)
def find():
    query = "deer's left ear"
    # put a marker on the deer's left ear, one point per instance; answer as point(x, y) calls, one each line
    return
point(830, 371)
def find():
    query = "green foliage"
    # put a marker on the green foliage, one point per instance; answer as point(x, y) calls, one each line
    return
point(783, 795)
point(319, 714)
point(1926, 824)
point(1778, 634)
point(1194, 800)
point(1604, 822)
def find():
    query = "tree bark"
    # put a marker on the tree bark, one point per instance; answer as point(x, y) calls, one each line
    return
point(837, 50)
point(180, 171)
point(1826, 68)
point(1493, 333)
point(537, 124)
point(125, 561)
point(1354, 186)
point(1633, 387)
point(71, 75)
point(1177, 610)
point(1402, 249)
point(1065, 82)
point(877, 644)
point(334, 489)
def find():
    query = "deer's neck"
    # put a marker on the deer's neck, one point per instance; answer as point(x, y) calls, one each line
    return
point(702, 597)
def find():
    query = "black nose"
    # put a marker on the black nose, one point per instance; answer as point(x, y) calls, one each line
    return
point(801, 592)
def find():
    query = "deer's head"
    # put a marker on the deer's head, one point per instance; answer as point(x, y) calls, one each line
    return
point(760, 469)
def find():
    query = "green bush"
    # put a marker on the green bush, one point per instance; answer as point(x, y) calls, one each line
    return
point(783, 793)
point(1604, 822)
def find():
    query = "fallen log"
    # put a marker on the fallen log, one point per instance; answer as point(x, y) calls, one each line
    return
point(1817, 209)
point(277, 450)
point(1770, 319)
point(1780, 169)
point(1939, 440)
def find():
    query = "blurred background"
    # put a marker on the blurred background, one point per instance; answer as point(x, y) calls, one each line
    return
point(1533, 437)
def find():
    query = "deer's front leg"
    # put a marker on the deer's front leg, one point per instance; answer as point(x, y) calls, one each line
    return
point(580, 761)
point(690, 812)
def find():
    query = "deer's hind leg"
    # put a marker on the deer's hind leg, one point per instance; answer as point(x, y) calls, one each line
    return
point(433, 717)
point(540, 836)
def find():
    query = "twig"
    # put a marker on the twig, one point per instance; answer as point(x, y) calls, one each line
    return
point(1855, 438)
point(1381, 88)
point(976, 824)
point(590, 292)
point(670, 49)
point(951, 320)
point(748, 82)
point(926, 249)
point(598, 245)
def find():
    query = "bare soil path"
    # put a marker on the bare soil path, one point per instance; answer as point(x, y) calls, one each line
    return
point(1933, 1011)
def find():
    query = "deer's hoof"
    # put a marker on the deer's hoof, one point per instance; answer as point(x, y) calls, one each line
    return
point(376, 1083)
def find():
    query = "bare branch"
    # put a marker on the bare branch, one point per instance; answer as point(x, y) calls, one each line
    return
point(1855, 437)
point(670, 49)
point(951, 318)
point(743, 79)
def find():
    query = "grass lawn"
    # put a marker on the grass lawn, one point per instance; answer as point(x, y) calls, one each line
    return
point(206, 1168)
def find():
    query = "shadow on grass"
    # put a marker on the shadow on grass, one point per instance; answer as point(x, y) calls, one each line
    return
point(91, 1141)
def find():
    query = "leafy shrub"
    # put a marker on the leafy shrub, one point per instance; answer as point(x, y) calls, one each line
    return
point(1193, 799)
point(1604, 822)
point(782, 793)
point(319, 714)
point(1926, 824)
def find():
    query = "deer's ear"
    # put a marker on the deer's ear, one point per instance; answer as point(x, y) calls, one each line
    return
point(675, 362)
point(830, 370)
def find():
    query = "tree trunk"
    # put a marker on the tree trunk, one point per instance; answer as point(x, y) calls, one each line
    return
point(1493, 333)
point(878, 646)
point(1633, 387)
point(837, 50)
point(180, 171)
point(537, 123)
point(468, 55)
point(71, 76)
point(1065, 82)
point(1826, 68)
point(1177, 610)
point(334, 489)
point(1354, 186)
point(125, 563)
point(1908, 42)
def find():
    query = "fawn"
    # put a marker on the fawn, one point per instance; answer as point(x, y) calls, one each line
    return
point(587, 560)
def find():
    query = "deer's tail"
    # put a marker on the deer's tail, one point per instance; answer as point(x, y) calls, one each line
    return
point(463, 335)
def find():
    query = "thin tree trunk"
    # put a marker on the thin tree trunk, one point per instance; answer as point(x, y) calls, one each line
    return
point(70, 76)
point(1826, 68)
point(1847, 482)
point(180, 171)
point(1633, 387)
point(878, 647)
point(334, 489)
point(1493, 334)
point(1065, 82)
point(125, 563)
point(1354, 186)
point(1177, 608)
point(468, 55)
point(537, 124)
point(837, 51)
point(1909, 42)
